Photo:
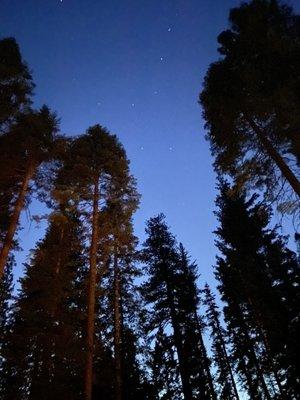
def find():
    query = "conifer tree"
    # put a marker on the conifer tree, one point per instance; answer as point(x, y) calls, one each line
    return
point(45, 345)
point(193, 327)
point(164, 367)
point(6, 298)
point(225, 377)
point(29, 143)
point(251, 94)
point(172, 294)
point(95, 175)
point(252, 270)
point(122, 203)
point(15, 82)
point(134, 379)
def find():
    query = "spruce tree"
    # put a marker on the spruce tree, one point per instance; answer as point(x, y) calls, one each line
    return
point(45, 344)
point(6, 300)
point(225, 378)
point(193, 327)
point(258, 278)
point(171, 292)
point(164, 367)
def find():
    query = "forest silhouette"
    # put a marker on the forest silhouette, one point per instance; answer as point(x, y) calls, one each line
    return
point(100, 316)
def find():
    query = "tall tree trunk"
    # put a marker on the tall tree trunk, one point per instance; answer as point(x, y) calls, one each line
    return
point(117, 329)
point(186, 388)
point(91, 293)
point(13, 222)
point(206, 361)
point(276, 157)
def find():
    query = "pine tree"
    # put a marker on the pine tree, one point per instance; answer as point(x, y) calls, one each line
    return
point(251, 94)
point(225, 377)
point(15, 82)
point(121, 205)
point(28, 144)
point(95, 176)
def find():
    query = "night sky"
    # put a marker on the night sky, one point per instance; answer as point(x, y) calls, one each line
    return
point(135, 67)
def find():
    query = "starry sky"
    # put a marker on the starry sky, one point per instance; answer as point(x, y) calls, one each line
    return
point(136, 67)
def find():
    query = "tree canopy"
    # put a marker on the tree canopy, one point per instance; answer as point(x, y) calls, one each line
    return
point(251, 95)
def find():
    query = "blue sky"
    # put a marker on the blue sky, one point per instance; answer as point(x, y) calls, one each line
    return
point(136, 67)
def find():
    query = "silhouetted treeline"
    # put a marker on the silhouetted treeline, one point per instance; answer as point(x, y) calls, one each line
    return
point(99, 317)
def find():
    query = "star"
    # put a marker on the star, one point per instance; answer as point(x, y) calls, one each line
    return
point(142, 148)
point(156, 92)
point(169, 29)
point(170, 148)
point(132, 105)
point(161, 58)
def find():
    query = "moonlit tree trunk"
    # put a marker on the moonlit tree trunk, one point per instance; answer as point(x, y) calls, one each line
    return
point(117, 329)
point(91, 293)
point(13, 222)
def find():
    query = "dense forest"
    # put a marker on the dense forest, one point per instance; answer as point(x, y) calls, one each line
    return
point(99, 315)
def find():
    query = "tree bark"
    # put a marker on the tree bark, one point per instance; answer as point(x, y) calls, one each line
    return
point(276, 157)
point(117, 330)
point(13, 222)
point(91, 293)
